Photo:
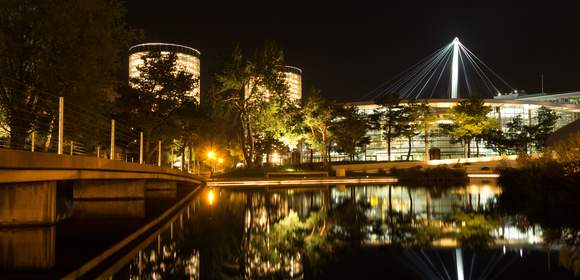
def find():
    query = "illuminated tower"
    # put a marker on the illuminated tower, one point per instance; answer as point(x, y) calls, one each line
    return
point(187, 60)
point(455, 69)
point(293, 78)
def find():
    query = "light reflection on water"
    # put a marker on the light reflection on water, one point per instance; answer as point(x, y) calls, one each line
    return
point(230, 233)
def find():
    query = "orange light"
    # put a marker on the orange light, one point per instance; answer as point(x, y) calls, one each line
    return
point(211, 154)
point(210, 197)
point(220, 160)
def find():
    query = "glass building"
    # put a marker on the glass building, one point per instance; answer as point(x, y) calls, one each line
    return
point(503, 110)
point(188, 60)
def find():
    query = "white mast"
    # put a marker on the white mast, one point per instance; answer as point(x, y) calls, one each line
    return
point(455, 68)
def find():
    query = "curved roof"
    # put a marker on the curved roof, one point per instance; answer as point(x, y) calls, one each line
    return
point(292, 69)
point(164, 47)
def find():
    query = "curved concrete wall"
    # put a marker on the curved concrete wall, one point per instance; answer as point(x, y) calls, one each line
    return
point(23, 166)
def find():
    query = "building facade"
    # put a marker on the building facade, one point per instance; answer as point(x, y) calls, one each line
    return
point(188, 60)
point(503, 110)
point(292, 78)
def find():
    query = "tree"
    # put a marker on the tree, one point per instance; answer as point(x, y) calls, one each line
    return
point(519, 137)
point(390, 118)
point(546, 122)
point(350, 130)
point(318, 115)
point(425, 119)
point(470, 120)
point(417, 118)
point(153, 101)
point(255, 89)
point(52, 48)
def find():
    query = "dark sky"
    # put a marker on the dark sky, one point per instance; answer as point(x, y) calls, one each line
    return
point(348, 48)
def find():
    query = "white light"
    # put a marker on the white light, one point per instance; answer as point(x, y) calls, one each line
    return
point(455, 68)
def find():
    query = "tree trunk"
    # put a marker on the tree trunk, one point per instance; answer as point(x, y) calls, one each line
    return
point(251, 142)
point(49, 136)
point(243, 143)
point(189, 166)
point(426, 144)
point(311, 156)
point(469, 149)
point(389, 148)
point(409, 150)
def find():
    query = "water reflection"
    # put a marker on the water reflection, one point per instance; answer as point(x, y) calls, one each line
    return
point(293, 233)
point(27, 248)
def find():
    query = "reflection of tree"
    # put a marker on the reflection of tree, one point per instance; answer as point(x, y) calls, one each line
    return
point(351, 224)
point(546, 192)
point(275, 238)
point(208, 242)
point(475, 230)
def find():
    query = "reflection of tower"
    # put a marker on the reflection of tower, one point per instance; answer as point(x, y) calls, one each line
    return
point(455, 69)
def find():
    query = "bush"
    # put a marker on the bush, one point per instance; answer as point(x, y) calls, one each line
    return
point(437, 178)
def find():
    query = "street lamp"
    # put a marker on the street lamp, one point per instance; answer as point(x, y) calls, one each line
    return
point(211, 154)
point(211, 157)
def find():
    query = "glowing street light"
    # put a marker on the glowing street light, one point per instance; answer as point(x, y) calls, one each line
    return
point(220, 160)
point(211, 154)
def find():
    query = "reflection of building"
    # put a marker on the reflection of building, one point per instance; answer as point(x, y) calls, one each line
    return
point(188, 59)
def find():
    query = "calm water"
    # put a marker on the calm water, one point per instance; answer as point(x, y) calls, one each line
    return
point(86, 229)
point(341, 232)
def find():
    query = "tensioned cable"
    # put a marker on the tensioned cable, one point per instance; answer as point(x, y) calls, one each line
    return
point(417, 80)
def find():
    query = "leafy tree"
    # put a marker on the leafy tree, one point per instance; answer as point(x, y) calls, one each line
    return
point(254, 88)
point(390, 117)
point(154, 100)
point(519, 137)
point(319, 114)
point(470, 120)
point(52, 48)
point(350, 130)
point(417, 118)
point(546, 122)
point(425, 118)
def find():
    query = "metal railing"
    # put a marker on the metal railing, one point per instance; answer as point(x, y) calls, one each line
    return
point(65, 128)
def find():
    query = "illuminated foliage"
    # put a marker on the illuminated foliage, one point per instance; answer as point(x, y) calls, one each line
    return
point(470, 121)
point(55, 48)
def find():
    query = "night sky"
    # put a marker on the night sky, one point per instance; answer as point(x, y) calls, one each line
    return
point(347, 49)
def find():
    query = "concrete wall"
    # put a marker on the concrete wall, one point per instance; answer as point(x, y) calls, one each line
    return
point(108, 209)
point(109, 189)
point(28, 203)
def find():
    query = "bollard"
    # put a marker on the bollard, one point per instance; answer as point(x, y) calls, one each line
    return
point(112, 139)
point(141, 147)
point(60, 125)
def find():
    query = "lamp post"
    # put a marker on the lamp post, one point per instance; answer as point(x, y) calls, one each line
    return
point(211, 157)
